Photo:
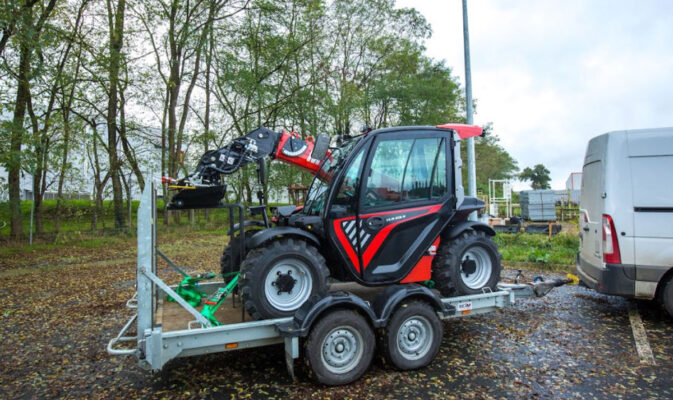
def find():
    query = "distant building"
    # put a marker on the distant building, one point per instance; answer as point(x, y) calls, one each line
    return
point(573, 186)
point(574, 181)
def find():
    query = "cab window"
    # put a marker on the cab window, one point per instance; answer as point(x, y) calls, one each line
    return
point(349, 186)
point(406, 170)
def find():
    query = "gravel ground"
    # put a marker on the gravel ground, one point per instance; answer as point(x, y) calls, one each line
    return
point(59, 309)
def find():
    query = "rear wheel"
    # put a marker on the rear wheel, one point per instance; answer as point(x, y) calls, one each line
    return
point(277, 278)
point(467, 264)
point(413, 336)
point(667, 296)
point(340, 347)
point(231, 251)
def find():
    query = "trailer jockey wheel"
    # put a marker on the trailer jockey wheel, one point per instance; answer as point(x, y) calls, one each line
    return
point(413, 336)
point(279, 276)
point(340, 347)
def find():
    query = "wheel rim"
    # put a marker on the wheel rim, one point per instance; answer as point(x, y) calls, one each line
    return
point(276, 284)
point(476, 267)
point(342, 349)
point(415, 337)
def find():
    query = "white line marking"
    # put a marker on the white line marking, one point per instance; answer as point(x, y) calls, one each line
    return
point(640, 336)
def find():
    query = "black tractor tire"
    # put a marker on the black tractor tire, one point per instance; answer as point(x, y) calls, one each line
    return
point(413, 336)
point(339, 348)
point(667, 296)
point(287, 259)
point(231, 250)
point(453, 257)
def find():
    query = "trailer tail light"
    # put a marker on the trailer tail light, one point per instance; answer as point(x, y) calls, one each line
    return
point(611, 252)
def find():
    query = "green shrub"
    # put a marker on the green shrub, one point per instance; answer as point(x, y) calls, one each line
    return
point(537, 248)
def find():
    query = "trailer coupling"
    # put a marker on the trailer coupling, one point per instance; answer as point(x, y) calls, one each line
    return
point(539, 287)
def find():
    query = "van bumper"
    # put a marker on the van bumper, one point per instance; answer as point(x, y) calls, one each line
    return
point(614, 279)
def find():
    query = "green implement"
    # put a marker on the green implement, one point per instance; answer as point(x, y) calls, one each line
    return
point(217, 298)
point(188, 289)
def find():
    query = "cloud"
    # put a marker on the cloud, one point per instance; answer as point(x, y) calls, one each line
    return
point(552, 74)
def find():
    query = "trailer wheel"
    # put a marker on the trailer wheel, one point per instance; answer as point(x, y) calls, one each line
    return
point(667, 296)
point(278, 277)
point(467, 264)
point(231, 250)
point(413, 336)
point(340, 347)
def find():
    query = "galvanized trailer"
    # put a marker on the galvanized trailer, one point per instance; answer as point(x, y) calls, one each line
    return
point(165, 331)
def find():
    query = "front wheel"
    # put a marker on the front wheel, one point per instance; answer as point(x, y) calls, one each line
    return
point(467, 264)
point(277, 278)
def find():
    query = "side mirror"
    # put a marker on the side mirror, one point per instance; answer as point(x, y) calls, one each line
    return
point(321, 146)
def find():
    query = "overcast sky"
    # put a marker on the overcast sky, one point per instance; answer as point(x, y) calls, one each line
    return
point(552, 74)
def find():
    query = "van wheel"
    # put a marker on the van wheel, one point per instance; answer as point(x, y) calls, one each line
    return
point(467, 264)
point(340, 347)
point(413, 336)
point(667, 296)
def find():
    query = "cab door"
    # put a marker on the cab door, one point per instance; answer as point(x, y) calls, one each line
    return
point(341, 216)
point(405, 201)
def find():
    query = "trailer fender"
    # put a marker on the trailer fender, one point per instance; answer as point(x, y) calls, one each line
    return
point(387, 301)
point(265, 235)
point(454, 231)
point(317, 306)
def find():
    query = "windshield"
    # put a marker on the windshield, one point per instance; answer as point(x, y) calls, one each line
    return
point(330, 166)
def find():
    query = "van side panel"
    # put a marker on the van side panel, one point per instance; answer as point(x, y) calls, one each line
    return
point(651, 161)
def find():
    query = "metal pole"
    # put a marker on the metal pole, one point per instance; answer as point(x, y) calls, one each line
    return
point(471, 168)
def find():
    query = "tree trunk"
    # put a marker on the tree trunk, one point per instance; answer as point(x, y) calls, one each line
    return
point(128, 151)
point(14, 165)
point(62, 170)
point(116, 41)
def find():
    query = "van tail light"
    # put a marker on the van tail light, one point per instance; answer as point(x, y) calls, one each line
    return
point(611, 252)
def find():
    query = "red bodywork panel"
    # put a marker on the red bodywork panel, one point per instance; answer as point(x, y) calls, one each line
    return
point(423, 269)
point(383, 233)
point(464, 131)
point(302, 159)
point(373, 246)
point(345, 243)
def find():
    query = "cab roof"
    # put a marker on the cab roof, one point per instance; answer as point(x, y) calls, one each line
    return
point(463, 131)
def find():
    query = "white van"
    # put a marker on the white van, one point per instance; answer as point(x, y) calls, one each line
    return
point(626, 215)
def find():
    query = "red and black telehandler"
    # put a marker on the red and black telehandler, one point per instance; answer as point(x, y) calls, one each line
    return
point(385, 207)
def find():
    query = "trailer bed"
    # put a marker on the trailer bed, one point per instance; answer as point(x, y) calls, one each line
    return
point(171, 316)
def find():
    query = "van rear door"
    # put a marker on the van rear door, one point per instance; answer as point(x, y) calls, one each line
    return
point(651, 159)
point(592, 202)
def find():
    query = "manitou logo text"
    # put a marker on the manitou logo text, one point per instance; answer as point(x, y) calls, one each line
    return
point(397, 218)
